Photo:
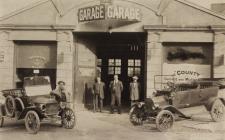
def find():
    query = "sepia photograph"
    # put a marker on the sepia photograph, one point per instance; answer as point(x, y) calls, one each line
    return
point(112, 69)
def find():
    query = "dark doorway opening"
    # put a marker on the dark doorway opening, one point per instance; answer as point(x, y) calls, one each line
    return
point(122, 54)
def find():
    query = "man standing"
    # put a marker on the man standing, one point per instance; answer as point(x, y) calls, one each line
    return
point(98, 94)
point(134, 90)
point(116, 88)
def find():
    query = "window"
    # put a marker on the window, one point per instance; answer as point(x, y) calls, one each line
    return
point(114, 66)
point(134, 67)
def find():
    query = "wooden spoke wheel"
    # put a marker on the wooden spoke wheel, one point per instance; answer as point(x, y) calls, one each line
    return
point(32, 122)
point(68, 118)
point(10, 106)
point(164, 120)
point(135, 116)
point(217, 111)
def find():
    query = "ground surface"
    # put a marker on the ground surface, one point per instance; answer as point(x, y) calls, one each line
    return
point(105, 126)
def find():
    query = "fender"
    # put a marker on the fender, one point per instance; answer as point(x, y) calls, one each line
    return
point(210, 101)
point(174, 110)
point(138, 104)
point(18, 100)
point(34, 108)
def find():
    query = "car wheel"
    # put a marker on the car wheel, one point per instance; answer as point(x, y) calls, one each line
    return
point(217, 111)
point(1, 121)
point(10, 106)
point(164, 120)
point(135, 116)
point(32, 122)
point(68, 118)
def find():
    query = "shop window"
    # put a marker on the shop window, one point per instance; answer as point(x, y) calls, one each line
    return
point(134, 67)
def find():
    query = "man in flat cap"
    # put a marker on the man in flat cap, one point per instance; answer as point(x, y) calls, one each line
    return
point(134, 90)
point(60, 93)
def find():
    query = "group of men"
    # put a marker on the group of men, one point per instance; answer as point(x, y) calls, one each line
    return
point(116, 89)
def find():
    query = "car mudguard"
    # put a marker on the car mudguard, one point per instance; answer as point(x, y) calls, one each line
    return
point(174, 110)
point(24, 112)
point(208, 104)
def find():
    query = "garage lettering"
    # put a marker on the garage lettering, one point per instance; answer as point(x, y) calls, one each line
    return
point(109, 12)
point(91, 13)
point(118, 12)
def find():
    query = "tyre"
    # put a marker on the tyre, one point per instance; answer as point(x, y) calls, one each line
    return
point(32, 122)
point(68, 118)
point(217, 111)
point(1, 121)
point(164, 120)
point(10, 106)
point(135, 116)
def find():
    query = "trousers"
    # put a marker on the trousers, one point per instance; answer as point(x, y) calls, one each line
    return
point(96, 100)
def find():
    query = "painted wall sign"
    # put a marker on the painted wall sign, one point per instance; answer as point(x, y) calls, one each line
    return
point(109, 12)
point(183, 72)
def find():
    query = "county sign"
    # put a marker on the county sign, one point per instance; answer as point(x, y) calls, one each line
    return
point(102, 12)
point(184, 72)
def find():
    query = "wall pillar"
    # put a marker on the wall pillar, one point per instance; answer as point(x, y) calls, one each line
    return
point(154, 60)
point(219, 55)
point(65, 53)
point(6, 61)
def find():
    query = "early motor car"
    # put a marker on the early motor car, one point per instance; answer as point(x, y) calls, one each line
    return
point(167, 103)
point(34, 104)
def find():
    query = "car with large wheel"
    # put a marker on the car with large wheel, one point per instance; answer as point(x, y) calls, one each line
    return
point(167, 104)
point(35, 103)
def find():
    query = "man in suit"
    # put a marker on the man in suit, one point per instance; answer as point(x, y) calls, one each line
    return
point(116, 88)
point(134, 90)
point(98, 94)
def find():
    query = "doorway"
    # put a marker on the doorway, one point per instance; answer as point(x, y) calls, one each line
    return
point(122, 54)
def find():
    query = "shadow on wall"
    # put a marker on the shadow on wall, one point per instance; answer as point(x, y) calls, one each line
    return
point(88, 95)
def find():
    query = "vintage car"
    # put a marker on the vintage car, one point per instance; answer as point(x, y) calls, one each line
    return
point(167, 103)
point(34, 104)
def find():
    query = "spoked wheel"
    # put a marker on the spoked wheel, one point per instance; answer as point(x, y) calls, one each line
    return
point(164, 120)
point(1, 121)
point(68, 118)
point(217, 111)
point(136, 116)
point(10, 106)
point(32, 122)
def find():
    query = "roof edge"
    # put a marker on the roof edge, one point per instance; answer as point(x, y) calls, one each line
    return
point(28, 7)
point(196, 6)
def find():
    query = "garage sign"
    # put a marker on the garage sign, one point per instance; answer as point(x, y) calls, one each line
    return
point(101, 12)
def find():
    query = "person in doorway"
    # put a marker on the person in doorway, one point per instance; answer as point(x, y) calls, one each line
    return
point(116, 88)
point(98, 94)
point(60, 93)
point(134, 90)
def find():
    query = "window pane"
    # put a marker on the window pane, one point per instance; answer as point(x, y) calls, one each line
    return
point(118, 62)
point(130, 72)
point(111, 62)
point(137, 62)
point(130, 62)
point(99, 62)
point(111, 70)
point(137, 71)
point(117, 70)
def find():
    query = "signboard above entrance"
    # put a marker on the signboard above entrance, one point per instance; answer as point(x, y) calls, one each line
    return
point(100, 12)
